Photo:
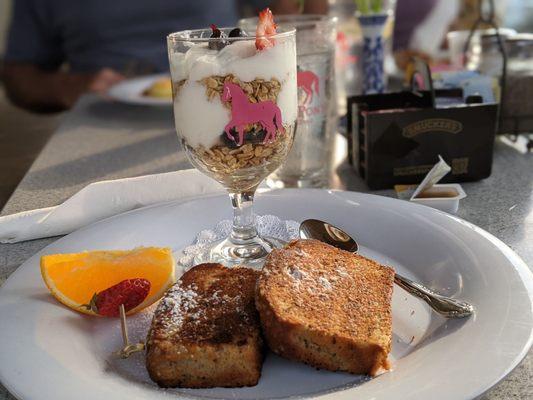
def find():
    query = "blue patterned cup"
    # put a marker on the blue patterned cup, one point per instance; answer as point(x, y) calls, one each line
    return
point(372, 27)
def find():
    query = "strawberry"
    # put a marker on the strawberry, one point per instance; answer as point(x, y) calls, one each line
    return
point(265, 28)
point(130, 292)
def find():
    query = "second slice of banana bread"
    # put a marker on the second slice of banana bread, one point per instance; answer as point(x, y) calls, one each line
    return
point(326, 307)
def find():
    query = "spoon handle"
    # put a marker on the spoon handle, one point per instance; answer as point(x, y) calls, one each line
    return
point(445, 306)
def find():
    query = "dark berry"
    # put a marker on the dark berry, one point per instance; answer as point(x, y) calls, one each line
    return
point(237, 32)
point(255, 136)
point(252, 136)
point(216, 34)
point(230, 142)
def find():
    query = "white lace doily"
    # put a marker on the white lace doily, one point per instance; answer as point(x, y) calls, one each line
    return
point(267, 225)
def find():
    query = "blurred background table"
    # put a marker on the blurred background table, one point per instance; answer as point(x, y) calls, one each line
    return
point(100, 140)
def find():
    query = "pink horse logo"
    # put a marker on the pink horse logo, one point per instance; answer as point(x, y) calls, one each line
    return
point(308, 81)
point(266, 113)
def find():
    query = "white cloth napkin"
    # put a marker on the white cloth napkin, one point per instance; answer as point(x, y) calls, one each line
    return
point(103, 199)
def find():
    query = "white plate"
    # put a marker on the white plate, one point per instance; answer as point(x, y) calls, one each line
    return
point(48, 352)
point(131, 91)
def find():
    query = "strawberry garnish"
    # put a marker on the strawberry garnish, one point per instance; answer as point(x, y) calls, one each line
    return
point(130, 292)
point(265, 28)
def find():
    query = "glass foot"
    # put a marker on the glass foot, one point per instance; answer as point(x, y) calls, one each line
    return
point(251, 254)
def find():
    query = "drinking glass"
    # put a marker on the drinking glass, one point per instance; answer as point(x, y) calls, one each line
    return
point(308, 162)
point(235, 110)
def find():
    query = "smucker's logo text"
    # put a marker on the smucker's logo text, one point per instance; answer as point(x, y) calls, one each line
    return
point(432, 125)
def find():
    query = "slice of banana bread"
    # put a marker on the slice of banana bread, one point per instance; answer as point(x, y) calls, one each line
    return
point(205, 332)
point(326, 307)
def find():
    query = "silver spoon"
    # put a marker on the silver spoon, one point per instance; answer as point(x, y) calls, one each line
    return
point(445, 306)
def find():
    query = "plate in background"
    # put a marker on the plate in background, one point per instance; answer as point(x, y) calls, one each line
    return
point(131, 91)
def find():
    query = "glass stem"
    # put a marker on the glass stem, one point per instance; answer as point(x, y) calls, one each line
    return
point(243, 217)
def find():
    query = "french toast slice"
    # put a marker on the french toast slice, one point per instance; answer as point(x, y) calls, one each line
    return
point(326, 307)
point(205, 331)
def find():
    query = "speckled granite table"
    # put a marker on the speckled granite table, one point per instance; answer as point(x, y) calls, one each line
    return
point(101, 140)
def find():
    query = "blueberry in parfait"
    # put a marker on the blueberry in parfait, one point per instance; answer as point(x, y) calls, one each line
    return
point(216, 34)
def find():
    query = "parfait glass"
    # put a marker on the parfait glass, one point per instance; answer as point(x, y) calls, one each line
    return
point(235, 109)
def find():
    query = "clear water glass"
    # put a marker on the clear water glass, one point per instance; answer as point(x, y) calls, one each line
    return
point(308, 162)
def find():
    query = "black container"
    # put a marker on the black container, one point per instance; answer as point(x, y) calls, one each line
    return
point(395, 138)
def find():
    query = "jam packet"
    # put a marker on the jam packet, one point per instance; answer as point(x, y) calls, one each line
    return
point(444, 197)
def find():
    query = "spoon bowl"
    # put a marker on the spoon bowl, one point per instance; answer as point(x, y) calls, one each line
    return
point(327, 233)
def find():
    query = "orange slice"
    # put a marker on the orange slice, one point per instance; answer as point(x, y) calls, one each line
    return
point(74, 278)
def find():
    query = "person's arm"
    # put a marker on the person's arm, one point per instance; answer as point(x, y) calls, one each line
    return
point(32, 72)
point(316, 7)
point(32, 88)
point(297, 6)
